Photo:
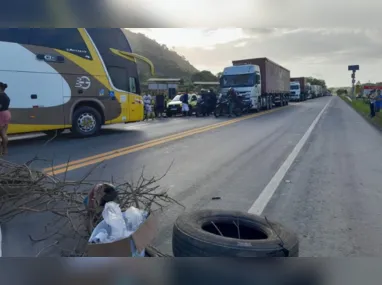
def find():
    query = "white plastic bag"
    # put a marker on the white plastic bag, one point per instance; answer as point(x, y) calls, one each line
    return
point(134, 218)
point(117, 225)
point(112, 215)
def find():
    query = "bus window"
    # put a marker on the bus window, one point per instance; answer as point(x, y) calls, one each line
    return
point(104, 39)
point(15, 35)
point(66, 39)
point(132, 85)
point(119, 76)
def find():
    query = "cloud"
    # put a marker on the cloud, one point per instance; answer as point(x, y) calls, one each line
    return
point(309, 37)
point(303, 51)
point(262, 13)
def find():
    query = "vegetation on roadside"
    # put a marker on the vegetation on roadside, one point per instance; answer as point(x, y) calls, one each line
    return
point(315, 81)
point(362, 107)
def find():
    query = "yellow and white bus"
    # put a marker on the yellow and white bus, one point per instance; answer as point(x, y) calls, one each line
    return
point(78, 79)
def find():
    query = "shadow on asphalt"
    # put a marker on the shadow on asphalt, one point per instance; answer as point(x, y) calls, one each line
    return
point(108, 133)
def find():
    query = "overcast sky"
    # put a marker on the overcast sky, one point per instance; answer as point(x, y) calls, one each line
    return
point(314, 38)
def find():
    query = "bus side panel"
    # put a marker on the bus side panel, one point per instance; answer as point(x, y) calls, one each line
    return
point(33, 86)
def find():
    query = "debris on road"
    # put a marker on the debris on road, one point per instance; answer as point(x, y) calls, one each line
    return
point(122, 234)
point(24, 190)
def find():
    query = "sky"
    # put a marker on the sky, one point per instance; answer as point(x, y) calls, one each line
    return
point(310, 38)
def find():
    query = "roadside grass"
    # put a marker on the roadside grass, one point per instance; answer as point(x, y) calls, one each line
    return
point(363, 108)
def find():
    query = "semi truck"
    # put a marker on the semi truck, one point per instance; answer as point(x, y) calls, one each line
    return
point(300, 89)
point(316, 91)
point(260, 80)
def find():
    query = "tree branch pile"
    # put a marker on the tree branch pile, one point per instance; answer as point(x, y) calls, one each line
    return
point(24, 190)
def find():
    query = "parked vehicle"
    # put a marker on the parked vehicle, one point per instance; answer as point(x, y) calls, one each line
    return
point(300, 89)
point(222, 107)
point(174, 107)
point(78, 79)
point(201, 108)
point(295, 92)
point(315, 91)
point(260, 80)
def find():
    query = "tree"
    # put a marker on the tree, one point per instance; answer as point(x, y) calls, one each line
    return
point(219, 74)
point(315, 81)
point(204, 75)
point(341, 92)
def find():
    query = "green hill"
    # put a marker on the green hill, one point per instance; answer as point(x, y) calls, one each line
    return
point(167, 62)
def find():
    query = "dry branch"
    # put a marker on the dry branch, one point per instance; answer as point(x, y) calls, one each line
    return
point(26, 190)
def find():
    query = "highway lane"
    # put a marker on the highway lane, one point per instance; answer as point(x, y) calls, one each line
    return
point(234, 162)
point(334, 197)
point(64, 148)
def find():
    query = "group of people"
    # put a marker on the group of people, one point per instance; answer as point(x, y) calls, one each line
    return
point(154, 107)
point(207, 101)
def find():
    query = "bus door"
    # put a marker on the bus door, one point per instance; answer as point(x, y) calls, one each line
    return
point(135, 105)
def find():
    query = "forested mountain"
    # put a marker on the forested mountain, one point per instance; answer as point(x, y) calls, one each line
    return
point(167, 62)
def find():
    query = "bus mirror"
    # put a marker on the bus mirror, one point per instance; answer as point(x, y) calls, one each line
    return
point(134, 57)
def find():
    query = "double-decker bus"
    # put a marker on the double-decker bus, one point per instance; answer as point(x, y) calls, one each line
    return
point(69, 78)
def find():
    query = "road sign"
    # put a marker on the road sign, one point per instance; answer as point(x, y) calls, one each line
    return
point(353, 67)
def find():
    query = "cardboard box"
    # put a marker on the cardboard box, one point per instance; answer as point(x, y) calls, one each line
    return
point(122, 248)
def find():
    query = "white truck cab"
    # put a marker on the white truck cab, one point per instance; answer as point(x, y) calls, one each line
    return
point(295, 91)
point(245, 79)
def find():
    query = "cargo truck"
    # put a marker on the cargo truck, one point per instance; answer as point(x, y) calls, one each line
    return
point(316, 91)
point(260, 80)
point(300, 89)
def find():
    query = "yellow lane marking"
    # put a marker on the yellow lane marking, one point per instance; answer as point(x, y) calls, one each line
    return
point(87, 161)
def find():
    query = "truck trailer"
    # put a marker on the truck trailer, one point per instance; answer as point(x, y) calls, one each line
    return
point(261, 80)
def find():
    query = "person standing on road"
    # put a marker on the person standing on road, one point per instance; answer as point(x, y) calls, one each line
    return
point(147, 106)
point(212, 101)
point(5, 118)
point(372, 106)
point(231, 100)
point(185, 108)
point(159, 105)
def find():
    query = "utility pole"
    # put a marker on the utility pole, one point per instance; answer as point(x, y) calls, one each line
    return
point(353, 69)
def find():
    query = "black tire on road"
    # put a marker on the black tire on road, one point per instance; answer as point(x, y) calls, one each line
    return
point(195, 235)
point(93, 118)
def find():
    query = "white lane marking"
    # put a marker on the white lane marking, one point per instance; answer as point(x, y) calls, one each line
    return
point(265, 196)
point(349, 99)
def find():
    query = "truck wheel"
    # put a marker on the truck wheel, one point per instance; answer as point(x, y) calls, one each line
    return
point(168, 114)
point(219, 233)
point(86, 122)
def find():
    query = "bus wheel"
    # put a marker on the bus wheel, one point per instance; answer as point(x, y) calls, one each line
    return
point(86, 122)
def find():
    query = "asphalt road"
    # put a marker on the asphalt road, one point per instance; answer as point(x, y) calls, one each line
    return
point(330, 194)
